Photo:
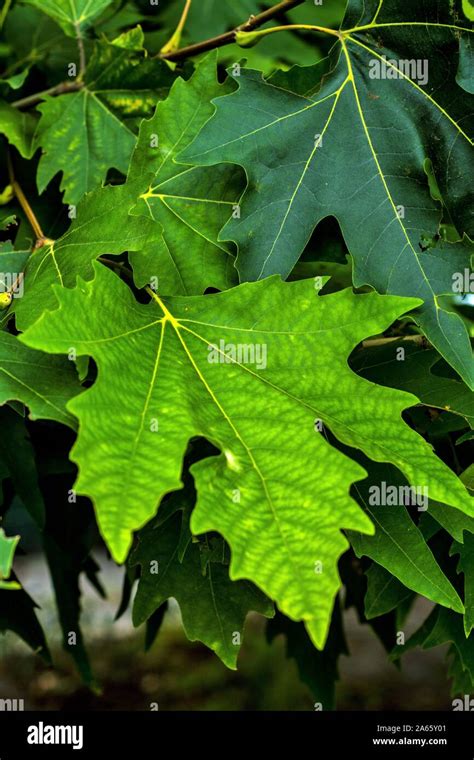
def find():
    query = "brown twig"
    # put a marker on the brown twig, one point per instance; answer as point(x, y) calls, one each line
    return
point(58, 89)
point(229, 37)
point(41, 238)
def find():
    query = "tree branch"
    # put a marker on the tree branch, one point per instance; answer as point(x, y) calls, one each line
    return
point(229, 37)
point(82, 52)
point(58, 89)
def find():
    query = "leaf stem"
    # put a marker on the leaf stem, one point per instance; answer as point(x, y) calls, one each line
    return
point(119, 267)
point(174, 41)
point(82, 52)
point(291, 27)
point(59, 89)
point(41, 238)
point(229, 37)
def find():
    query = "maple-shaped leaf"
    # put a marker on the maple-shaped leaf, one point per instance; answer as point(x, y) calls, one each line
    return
point(398, 543)
point(442, 626)
point(404, 364)
point(83, 134)
point(18, 614)
point(43, 383)
point(213, 607)
point(102, 226)
point(126, 79)
point(355, 145)
point(453, 521)
point(191, 203)
point(73, 16)
point(250, 369)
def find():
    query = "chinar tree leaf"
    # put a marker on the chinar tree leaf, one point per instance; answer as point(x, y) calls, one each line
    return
point(83, 134)
point(18, 128)
point(73, 16)
point(102, 226)
point(404, 364)
point(354, 146)
point(441, 627)
point(191, 203)
point(43, 383)
point(213, 607)
point(249, 369)
point(398, 544)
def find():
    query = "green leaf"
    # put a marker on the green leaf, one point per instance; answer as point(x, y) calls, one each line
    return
point(5, 223)
point(319, 670)
point(213, 607)
point(7, 552)
point(466, 566)
point(83, 134)
point(398, 544)
point(18, 127)
point(403, 364)
point(384, 592)
point(44, 383)
point(83, 139)
point(261, 417)
point(18, 459)
point(15, 81)
point(67, 543)
point(17, 613)
point(453, 521)
point(337, 150)
point(441, 627)
point(102, 225)
point(73, 16)
point(128, 81)
point(191, 203)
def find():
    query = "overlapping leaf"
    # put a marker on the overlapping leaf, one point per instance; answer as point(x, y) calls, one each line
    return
point(17, 461)
point(212, 606)
point(403, 364)
point(73, 16)
point(83, 134)
point(355, 147)
point(43, 383)
point(280, 517)
point(398, 544)
point(191, 203)
point(102, 226)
